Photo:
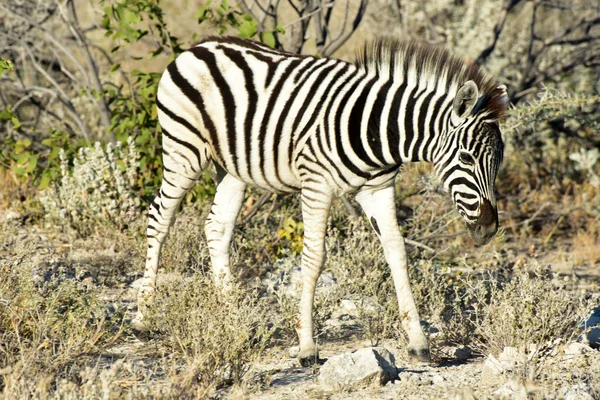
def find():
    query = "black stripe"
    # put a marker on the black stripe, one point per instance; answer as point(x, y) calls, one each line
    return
point(467, 206)
point(194, 96)
point(432, 131)
point(271, 65)
point(281, 121)
point(191, 93)
point(268, 113)
point(423, 111)
point(409, 114)
point(238, 59)
point(341, 152)
point(226, 95)
point(328, 159)
point(313, 64)
point(463, 181)
point(394, 124)
point(180, 142)
point(355, 120)
point(310, 97)
point(374, 130)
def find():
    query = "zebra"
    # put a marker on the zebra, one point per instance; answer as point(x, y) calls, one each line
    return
point(324, 127)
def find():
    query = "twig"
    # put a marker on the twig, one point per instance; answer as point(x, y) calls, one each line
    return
point(417, 244)
point(262, 200)
point(350, 208)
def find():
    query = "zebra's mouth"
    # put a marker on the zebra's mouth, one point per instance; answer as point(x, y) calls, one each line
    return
point(481, 235)
point(486, 226)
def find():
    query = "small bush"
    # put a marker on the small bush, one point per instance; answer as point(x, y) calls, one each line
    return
point(356, 259)
point(46, 328)
point(530, 308)
point(96, 191)
point(214, 336)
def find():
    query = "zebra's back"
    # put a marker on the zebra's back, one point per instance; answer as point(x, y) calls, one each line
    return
point(249, 108)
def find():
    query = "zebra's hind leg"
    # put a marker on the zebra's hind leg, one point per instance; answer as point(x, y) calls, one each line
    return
point(219, 227)
point(380, 208)
point(179, 176)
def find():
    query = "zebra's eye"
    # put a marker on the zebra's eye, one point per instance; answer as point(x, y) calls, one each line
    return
point(466, 158)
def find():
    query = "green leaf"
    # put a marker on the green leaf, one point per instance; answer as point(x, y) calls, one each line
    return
point(18, 170)
point(247, 29)
point(23, 158)
point(33, 160)
point(115, 67)
point(44, 181)
point(200, 15)
point(6, 114)
point(268, 38)
point(16, 122)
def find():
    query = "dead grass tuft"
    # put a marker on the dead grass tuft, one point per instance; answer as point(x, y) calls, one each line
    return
point(211, 337)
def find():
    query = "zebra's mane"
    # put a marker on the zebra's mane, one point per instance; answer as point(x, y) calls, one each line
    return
point(388, 56)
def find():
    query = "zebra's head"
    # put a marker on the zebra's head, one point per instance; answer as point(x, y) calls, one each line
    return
point(473, 151)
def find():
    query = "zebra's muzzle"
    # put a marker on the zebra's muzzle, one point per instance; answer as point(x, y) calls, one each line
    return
point(486, 226)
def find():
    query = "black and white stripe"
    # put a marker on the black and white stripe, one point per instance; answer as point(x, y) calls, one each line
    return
point(325, 127)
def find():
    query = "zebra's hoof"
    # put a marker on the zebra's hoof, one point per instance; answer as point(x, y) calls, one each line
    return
point(308, 358)
point(419, 354)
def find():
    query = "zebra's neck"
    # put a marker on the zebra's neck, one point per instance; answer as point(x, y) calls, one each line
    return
point(394, 121)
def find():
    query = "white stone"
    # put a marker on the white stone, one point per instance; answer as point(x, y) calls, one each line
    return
point(359, 307)
point(493, 365)
point(293, 351)
point(364, 367)
point(11, 215)
point(578, 391)
point(511, 390)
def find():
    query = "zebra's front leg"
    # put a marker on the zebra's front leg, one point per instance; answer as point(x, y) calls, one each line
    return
point(315, 211)
point(219, 227)
point(380, 208)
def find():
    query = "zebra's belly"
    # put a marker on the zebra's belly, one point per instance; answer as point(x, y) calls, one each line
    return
point(280, 178)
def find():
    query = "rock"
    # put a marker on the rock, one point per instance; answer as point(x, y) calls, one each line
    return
point(511, 357)
point(460, 353)
point(364, 367)
point(579, 391)
point(11, 215)
point(293, 351)
point(360, 307)
point(511, 390)
point(493, 366)
point(287, 275)
point(575, 350)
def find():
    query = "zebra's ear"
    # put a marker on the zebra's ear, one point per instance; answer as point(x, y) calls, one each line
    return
point(465, 100)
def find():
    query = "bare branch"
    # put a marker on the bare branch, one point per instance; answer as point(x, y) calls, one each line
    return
point(336, 44)
point(93, 69)
point(509, 5)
